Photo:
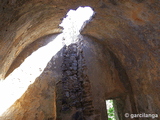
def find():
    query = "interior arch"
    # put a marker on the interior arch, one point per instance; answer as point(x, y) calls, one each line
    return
point(125, 32)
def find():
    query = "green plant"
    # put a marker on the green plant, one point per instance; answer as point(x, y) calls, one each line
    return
point(110, 110)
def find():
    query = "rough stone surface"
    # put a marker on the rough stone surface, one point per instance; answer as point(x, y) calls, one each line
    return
point(76, 89)
point(126, 38)
point(39, 100)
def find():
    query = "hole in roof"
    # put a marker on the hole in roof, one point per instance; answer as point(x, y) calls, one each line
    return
point(74, 23)
point(16, 84)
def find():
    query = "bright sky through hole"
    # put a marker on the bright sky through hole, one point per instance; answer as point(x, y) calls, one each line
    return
point(74, 23)
point(15, 85)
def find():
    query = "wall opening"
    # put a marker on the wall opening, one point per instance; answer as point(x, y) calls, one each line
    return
point(111, 110)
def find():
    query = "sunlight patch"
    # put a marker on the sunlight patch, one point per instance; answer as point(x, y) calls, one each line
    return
point(18, 81)
point(15, 85)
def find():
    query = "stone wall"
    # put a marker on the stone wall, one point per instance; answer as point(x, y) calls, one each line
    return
point(76, 100)
point(128, 30)
point(39, 100)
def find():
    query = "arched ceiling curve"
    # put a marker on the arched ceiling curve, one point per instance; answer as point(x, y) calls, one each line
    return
point(128, 28)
